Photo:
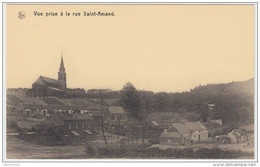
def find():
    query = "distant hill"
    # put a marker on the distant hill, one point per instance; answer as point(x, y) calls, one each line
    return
point(245, 87)
point(234, 102)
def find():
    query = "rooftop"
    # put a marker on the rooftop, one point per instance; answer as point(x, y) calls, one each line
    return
point(186, 127)
point(116, 110)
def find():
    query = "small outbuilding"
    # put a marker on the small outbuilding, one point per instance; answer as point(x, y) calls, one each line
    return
point(115, 113)
point(238, 136)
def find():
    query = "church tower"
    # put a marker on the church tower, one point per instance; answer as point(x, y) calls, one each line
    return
point(62, 75)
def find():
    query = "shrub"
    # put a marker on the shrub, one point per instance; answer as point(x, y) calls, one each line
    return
point(144, 152)
point(90, 150)
point(14, 125)
point(155, 140)
point(215, 153)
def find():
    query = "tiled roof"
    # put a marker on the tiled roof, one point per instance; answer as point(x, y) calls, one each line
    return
point(59, 118)
point(181, 127)
point(52, 101)
point(88, 103)
point(195, 126)
point(14, 99)
point(52, 88)
point(32, 106)
point(49, 80)
point(173, 129)
point(238, 133)
point(33, 100)
point(39, 81)
point(116, 110)
point(187, 127)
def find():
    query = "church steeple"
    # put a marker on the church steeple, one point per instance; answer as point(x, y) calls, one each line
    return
point(62, 75)
point(62, 65)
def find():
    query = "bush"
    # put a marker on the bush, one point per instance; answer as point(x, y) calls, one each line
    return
point(90, 150)
point(155, 140)
point(188, 153)
point(14, 125)
point(215, 153)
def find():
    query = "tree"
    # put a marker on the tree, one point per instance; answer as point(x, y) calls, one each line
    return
point(191, 116)
point(131, 101)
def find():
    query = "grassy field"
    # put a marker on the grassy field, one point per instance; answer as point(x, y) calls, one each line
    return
point(20, 149)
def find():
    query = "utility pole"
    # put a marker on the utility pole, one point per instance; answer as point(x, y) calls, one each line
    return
point(102, 117)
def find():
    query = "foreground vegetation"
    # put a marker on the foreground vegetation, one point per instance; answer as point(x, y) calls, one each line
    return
point(144, 152)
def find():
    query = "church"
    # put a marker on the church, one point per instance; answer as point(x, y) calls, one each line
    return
point(49, 87)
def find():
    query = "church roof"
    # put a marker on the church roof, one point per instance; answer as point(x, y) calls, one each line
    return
point(43, 80)
point(50, 80)
point(54, 88)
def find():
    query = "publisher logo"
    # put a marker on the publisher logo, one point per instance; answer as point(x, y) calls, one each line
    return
point(21, 15)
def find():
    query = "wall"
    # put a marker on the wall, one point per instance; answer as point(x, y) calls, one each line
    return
point(170, 141)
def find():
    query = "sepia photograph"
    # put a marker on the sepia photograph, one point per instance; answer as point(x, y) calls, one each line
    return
point(118, 81)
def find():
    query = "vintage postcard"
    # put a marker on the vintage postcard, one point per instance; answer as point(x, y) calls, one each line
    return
point(129, 81)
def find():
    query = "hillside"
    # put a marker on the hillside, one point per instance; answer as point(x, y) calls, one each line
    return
point(234, 102)
point(245, 87)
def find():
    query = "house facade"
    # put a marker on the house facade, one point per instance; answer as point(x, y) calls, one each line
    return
point(184, 134)
point(237, 136)
point(77, 122)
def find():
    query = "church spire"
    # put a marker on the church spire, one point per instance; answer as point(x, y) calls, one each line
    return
point(62, 74)
point(62, 64)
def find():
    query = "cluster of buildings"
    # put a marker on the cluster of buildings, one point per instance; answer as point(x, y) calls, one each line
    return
point(74, 115)
point(188, 133)
point(82, 115)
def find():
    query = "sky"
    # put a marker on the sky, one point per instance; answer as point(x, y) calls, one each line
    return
point(171, 48)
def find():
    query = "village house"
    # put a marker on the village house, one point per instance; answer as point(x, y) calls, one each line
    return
point(238, 136)
point(32, 109)
point(114, 113)
point(184, 134)
point(75, 123)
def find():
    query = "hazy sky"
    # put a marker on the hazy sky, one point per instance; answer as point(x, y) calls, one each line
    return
point(169, 48)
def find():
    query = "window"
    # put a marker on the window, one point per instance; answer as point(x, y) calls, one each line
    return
point(69, 126)
point(169, 141)
point(77, 126)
